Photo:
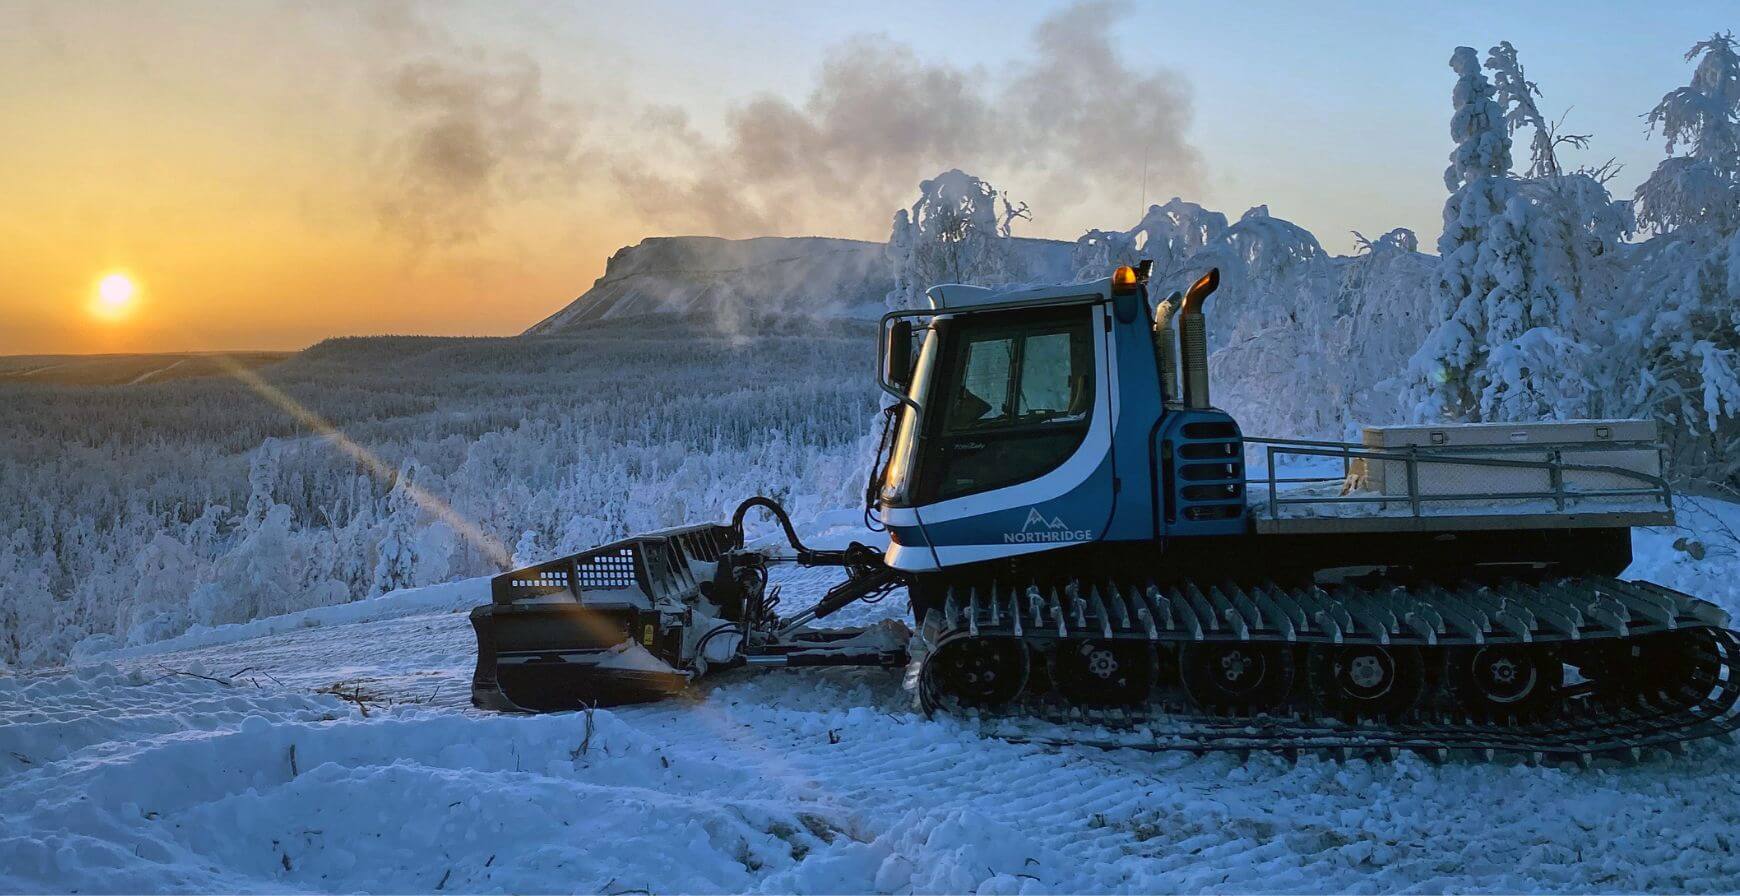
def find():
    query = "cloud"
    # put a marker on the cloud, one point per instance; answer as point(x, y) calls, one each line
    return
point(1069, 122)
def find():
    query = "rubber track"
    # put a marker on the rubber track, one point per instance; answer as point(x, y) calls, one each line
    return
point(1565, 611)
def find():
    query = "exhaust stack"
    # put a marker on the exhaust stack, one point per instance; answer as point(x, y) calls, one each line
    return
point(1193, 333)
point(1166, 345)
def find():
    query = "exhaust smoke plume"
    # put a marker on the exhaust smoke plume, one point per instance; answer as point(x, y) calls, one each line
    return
point(1075, 120)
point(1072, 121)
point(475, 129)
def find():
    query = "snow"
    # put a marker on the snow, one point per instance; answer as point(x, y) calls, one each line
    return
point(631, 657)
point(335, 750)
point(451, 597)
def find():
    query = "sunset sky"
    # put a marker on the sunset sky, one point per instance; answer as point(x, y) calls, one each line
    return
point(267, 174)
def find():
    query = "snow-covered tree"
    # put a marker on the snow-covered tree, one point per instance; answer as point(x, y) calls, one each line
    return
point(156, 605)
point(31, 619)
point(1300, 342)
point(1400, 239)
point(262, 477)
point(1516, 94)
point(958, 231)
point(1700, 187)
point(1504, 349)
point(1170, 235)
point(258, 577)
point(1684, 287)
point(396, 554)
point(1383, 310)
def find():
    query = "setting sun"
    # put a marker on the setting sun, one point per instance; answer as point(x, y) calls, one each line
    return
point(115, 297)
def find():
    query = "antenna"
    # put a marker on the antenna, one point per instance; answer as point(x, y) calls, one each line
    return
point(1142, 209)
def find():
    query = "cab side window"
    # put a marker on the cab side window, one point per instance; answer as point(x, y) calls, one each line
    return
point(983, 396)
point(1055, 374)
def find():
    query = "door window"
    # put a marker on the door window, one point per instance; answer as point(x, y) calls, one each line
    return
point(1020, 396)
point(1053, 376)
point(983, 397)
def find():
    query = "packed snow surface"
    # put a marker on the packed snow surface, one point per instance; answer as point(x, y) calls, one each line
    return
point(336, 750)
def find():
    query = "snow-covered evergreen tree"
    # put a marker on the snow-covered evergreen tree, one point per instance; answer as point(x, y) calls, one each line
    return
point(1447, 380)
point(958, 231)
point(1505, 347)
point(31, 619)
point(262, 477)
point(396, 554)
point(1684, 287)
point(1698, 188)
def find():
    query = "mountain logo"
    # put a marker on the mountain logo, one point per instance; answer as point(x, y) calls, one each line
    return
point(1035, 518)
point(1040, 529)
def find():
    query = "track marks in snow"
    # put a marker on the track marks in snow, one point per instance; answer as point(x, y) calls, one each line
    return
point(821, 781)
point(1135, 822)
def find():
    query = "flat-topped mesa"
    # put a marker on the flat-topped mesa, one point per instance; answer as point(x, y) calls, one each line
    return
point(711, 276)
point(734, 280)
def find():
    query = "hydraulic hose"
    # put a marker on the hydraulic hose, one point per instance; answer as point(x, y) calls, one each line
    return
point(806, 556)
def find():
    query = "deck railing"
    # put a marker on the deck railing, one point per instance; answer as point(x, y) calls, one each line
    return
point(1411, 459)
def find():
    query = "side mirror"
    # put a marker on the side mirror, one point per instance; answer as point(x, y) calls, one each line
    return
point(900, 354)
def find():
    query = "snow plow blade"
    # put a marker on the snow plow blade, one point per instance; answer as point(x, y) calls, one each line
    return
point(601, 628)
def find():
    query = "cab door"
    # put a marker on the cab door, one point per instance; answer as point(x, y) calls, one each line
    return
point(1018, 455)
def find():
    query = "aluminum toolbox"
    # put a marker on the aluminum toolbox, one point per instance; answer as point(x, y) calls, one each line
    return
point(1626, 444)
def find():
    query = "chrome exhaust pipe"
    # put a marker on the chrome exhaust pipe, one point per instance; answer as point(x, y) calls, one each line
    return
point(1193, 334)
point(1166, 345)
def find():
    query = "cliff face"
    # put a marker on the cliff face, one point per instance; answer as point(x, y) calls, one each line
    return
point(813, 276)
point(735, 279)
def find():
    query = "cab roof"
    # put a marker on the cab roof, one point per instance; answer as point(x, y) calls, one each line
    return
point(961, 297)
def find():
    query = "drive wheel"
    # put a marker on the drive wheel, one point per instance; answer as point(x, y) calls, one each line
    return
point(1235, 675)
point(1104, 673)
point(1669, 670)
point(1507, 681)
point(1679, 669)
point(1367, 680)
point(1611, 668)
point(978, 672)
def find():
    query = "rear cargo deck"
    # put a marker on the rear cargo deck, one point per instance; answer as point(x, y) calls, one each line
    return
point(1309, 487)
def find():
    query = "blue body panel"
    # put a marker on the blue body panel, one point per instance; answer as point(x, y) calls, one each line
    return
point(1137, 381)
point(1077, 517)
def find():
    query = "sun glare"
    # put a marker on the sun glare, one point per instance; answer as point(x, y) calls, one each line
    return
point(115, 296)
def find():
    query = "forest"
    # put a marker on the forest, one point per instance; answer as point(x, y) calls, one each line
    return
point(364, 465)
